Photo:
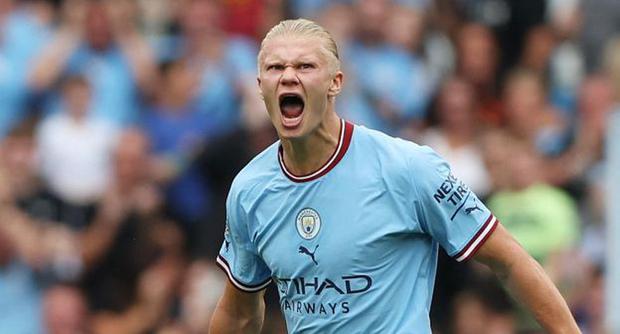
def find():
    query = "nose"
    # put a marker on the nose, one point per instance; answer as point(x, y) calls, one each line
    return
point(289, 76)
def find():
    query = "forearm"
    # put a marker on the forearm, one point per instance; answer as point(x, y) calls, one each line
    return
point(234, 318)
point(49, 66)
point(141, 60)
point(529, 283)
point(96, 240)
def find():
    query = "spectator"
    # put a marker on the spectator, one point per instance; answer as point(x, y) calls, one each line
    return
point(595, 102)
point(455, 136)
point(477, 62)
point(98, 40)
point(129, 239)
point(542, 218)
point(530, 117)
point(178, 131)
point(75, 146)
point(24, 28)
point(383, 76)
point(567, 64)
point(226, 66)
point(19, 289)
point(46, 247)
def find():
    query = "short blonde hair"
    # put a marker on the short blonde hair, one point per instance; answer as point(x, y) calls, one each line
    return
point(304, 28)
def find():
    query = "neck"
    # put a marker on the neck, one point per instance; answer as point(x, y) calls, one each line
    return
point(77, 117)
point(305, 155)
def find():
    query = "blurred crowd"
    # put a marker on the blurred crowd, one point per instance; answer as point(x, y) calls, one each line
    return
point(123, 122)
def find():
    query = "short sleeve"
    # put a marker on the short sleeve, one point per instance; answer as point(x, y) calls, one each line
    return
point(238, 256)
point(448, 210)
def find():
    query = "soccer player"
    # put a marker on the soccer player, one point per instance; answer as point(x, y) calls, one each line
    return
point(347, 221)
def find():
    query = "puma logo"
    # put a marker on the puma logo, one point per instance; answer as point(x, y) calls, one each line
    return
point(472, 209)
point(304, 250)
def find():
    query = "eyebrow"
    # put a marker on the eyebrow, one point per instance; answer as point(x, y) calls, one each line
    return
point(305, 59)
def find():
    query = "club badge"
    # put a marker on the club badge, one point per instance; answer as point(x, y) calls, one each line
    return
point(308, 223)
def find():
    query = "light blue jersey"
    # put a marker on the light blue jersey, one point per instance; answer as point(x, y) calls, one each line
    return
point(353, 246)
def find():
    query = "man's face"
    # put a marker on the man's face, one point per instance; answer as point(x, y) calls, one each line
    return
point(296, 83)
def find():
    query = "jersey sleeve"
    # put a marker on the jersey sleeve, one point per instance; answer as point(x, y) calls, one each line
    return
point(238, 256)
point(447, 209)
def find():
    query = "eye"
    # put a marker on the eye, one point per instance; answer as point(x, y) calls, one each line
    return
point(306, 66)
point(275, 67)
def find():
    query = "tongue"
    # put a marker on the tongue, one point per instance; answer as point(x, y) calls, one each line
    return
point(292, 110)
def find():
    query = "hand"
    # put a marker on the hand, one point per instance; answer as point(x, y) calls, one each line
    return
point(156, 285)
point(146, 200)
point(114, 206)
point(73, 14)
point(122, 15)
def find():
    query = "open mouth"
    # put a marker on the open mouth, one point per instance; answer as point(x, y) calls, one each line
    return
point(291, 107)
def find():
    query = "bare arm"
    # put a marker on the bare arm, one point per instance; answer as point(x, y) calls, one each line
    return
point(141, 60)
point(134, 47)
point(97, 239)
point(48, 67)
point(238, 312)
point(527, 280)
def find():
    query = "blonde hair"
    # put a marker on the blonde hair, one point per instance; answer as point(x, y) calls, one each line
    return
point(304, 28)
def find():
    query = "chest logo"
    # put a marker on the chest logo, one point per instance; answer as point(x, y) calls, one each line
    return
point(304, 250)
point(308, 223)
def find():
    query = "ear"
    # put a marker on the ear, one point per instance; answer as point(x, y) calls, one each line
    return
point(260, 90)
point(336, 85)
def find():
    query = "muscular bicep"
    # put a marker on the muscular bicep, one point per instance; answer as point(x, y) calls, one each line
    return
point(238, 311)
point(527, 281)
point(501, 250)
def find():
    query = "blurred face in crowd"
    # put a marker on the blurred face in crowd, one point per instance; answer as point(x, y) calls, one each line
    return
point(339, 21)
point(524, 97)
point(596, 98)
point(131, 158)
point(456, 103)
point(524, 165)
point(298, 82)
point(496, 157)
point(477, 54)
point(76, 94)
point(201, 17)
point(539, 45)
point(372, 16)
point(405, 27)
point(98, 29)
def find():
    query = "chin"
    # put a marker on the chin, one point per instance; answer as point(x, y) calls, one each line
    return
point(291, 133)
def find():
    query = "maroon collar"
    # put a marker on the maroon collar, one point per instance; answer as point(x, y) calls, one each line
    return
point(344, 139)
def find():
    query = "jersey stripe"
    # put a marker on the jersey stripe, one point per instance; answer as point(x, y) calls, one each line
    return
point(478, 240)
point(223, 264)
point(344, 140)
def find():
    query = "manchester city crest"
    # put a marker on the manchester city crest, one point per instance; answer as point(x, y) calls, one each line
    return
point(308, 223)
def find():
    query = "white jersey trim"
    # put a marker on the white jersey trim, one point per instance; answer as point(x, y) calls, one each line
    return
point(238, 284)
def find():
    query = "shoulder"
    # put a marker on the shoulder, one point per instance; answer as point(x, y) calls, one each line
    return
point(397, 151)
point(256, 174)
